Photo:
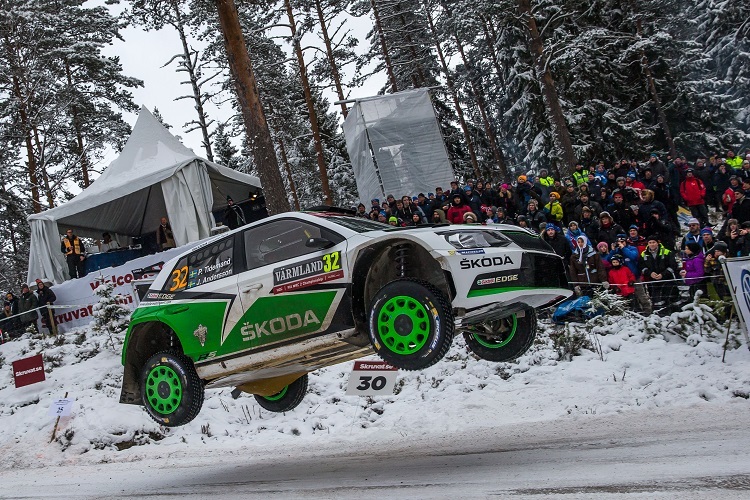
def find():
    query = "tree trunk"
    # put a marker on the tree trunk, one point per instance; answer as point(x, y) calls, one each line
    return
point(452, 90)
point(490, 36)
point(202, 124)
point(384, 48)
point(421, 81)
point(256, 126)
point(335, 75)
point(555, 115)
point(288, 168)
point(79, 133)
point(42, 167)
point(318, 142)
point(488, 129)
point(31, 159)
point(646, 66)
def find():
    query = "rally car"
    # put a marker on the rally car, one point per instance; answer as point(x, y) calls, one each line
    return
point(260, 307)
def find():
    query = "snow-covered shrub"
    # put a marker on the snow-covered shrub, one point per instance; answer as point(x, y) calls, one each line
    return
point(695, 322)
point(568, 342)
point(111, 317)
point(608, 303)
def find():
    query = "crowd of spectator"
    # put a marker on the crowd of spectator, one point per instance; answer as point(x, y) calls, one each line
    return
point(613, 224)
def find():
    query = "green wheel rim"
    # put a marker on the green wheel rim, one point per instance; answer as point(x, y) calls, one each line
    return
point(403, 325)
point(163, 389)
point(278, 395)
point(495, 342)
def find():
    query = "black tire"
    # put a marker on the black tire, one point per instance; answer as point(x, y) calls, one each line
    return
point(171, 390)
point(411, 324)
point(503, 340)
point(287, 398)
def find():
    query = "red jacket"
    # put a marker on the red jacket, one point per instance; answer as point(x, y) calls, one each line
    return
point(728, 199)
point(693, 191)
point(622, 278)
point(456, 213)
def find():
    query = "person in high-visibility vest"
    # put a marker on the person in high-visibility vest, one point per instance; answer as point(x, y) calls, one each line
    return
point(75, 253)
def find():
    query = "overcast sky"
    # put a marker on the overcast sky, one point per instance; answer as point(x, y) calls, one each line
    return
point(143, 55)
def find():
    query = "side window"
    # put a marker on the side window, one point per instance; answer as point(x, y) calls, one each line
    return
point(281, 240)
point(202, 266)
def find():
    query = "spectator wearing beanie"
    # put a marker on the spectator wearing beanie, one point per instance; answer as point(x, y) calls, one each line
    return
point(457, 210)
point(603, 249)
point(693, 268)
point(608, 230)
point(693, 192)
point(658, 269)
point(553, 235)
point(586, 266)
point(553, 211)
point(621, 278)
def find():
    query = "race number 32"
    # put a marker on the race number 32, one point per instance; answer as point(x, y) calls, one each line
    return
point(372, 378)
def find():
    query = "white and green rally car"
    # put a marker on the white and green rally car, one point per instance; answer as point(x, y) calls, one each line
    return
point(260, 307)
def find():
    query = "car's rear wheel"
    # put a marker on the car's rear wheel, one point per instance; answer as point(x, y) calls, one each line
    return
point(504, 339)
point(287, 398)
point(171, 390)
point(411, 324)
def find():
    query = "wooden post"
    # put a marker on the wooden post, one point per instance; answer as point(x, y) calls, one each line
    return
point(52, 325)
point(57, 421)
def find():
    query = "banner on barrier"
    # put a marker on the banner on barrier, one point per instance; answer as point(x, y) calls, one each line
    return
point(737, 272)
point(81, 291)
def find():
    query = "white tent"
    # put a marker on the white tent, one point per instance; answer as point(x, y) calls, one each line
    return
point(154, 176)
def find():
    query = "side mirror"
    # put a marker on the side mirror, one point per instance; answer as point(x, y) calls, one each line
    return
point(318, 243)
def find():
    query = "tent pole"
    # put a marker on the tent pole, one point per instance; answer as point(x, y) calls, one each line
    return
point(145, 209)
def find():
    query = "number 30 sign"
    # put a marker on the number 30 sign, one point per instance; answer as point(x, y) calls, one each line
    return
point(371, 378)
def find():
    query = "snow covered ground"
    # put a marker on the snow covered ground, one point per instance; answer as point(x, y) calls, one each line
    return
point(629, 366)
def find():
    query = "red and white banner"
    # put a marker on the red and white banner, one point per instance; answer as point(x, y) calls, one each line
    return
point(79, 293)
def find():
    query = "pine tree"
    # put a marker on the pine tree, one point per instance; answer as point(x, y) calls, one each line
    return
point(110, 317)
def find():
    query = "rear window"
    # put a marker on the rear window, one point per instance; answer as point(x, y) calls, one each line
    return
point(528, 241)
point(209, 263)
point(359, 224)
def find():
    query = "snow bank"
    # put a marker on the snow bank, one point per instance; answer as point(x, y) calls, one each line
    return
point(622, 363)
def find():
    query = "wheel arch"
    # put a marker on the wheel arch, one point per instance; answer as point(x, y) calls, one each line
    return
point(144, 340)
point(378, 264)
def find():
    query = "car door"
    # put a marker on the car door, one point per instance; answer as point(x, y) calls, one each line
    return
point(289, 288)
point(205, 303)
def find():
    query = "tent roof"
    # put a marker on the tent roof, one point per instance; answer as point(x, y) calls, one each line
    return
point(151, 155)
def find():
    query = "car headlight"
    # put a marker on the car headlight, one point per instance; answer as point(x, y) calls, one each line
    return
point(475, 239)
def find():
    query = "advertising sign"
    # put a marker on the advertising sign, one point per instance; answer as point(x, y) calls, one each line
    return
point(372, 378)
point(737, 272)
point(28, 371)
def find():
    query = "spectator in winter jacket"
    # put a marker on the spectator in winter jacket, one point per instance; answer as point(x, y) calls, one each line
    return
point(456, 212)
point(27, 304)
point(604, 252)
point(733, 161)
point(45, 297)
point(586, 266)
point(693, 192)
point(553, 235)
point(659, 228)
point(553, 210)
point(636, 240)
point(629, 254)
point(573, 233)
point(11, 323)
point(741, 208)
point(658, 269)
point(608, 230)
point(693, 235)
point(620, 277)
point(586, 201)
point(713, 269)
point(534, 216)
point(657, 166)
point(620, 212)
point(707, 234)
point(692, 268)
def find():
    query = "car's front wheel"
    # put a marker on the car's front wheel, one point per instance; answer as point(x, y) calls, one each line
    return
point(504, 339)
point(287, 398)
point(171, 390)
point(411, 324)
